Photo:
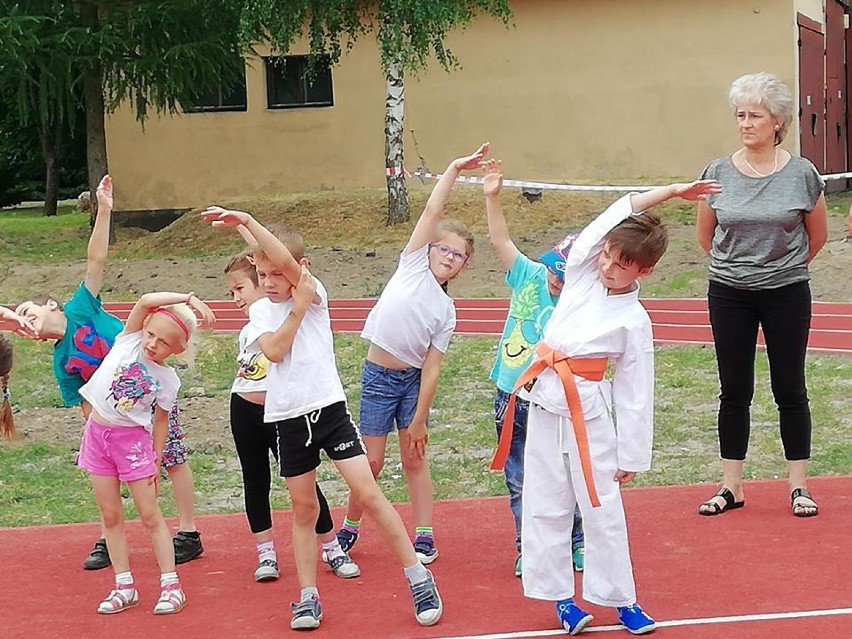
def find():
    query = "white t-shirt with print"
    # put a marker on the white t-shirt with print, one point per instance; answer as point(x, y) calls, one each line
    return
point(306, 378)
point(412, 313)
point(127, 385)
point(252, 365)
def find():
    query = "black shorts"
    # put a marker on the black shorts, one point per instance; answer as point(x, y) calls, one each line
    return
point(301, 439)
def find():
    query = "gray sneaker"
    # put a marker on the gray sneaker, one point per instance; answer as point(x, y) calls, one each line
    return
point(306, 614)
point(344, 567)
point(428, 607)
point(267, 570)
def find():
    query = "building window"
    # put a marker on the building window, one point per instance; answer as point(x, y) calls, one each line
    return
point(292, 82)
point(220, 99)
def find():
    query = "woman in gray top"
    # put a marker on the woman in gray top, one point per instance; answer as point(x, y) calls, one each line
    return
point(761, 232)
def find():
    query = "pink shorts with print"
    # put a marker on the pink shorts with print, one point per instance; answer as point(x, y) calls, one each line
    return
point(117, 451)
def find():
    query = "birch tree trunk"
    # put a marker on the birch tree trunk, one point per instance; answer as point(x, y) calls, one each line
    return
point(399, 208)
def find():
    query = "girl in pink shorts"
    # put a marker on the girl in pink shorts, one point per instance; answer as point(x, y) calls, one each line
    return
point(131, 394)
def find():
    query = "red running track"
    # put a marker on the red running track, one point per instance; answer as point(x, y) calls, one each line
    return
point(701, 577)
point(675, 321)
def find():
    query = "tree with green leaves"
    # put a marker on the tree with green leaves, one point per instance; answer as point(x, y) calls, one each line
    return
point(408, 33)
point(155, 54)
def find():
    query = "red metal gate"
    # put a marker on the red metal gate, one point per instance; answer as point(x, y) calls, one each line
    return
point(812, 91)
point(836, 138)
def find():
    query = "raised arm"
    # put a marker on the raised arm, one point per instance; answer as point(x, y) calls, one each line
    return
point(263, 238)
point(99, 240)
point(691, 191)
point(152, 301)
point(816, 226)
point(424, 230)
point(276, 345)
point(498, 230)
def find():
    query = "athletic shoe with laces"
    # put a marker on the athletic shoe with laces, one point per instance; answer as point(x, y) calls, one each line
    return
point(424, 548)
point(187, 547)
point(306, 614)
point(428, 606)
point(572, 617)
point(579, 557)
point(267, 570)
point(344, 567)
point(519, 565)
point(636, 620)
point(346, 539)
point(98, 558)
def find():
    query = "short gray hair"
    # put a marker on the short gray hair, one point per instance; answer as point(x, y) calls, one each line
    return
point(768, 91)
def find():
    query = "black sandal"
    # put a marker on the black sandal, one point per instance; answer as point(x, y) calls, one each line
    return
point(803, 510)
point(730, 503)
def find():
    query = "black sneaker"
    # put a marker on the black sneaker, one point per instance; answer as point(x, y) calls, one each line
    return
point(187, 546)
point(98, 558)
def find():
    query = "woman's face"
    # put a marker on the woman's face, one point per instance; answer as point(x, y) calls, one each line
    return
point(757, 126)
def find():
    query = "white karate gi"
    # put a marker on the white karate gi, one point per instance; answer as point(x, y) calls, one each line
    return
point(588, 322)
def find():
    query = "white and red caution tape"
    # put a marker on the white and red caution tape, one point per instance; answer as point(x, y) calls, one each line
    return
point(550, 186)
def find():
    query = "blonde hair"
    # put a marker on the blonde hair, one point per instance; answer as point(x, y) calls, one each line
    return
point(768, 91)
point(289, 237)
point(457, 227)
point(187, 317)
point(7, 423)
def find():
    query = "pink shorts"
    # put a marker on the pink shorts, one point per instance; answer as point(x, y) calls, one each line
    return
point(117, 451)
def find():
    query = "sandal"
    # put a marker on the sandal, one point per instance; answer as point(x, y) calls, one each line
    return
point(117, 601)
point(716, 509)
point(171, 600)
point(800, 509)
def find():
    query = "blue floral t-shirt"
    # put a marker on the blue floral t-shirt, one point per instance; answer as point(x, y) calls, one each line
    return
point(89, 335)
point(529, 311)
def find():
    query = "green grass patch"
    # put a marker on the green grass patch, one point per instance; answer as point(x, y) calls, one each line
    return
point(40, 485)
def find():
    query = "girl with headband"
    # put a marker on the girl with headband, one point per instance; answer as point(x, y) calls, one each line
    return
point(131, 394)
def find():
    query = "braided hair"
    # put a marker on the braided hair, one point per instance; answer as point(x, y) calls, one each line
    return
point(7, 425)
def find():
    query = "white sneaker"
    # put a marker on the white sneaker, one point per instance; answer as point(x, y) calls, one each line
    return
point(344, 567)
point(267, 570)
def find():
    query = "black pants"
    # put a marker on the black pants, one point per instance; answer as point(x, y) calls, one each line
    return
point(785, 316)
point(254, 440)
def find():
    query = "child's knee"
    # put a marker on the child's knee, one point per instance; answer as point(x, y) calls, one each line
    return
point(151, 518)
point(112, 517)
point(368, 496)
point(411, 462)
point(376, 466)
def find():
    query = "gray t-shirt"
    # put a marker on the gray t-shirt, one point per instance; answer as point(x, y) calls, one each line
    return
point(760, 240)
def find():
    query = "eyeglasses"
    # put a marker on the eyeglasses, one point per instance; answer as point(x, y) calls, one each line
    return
point(450, 252)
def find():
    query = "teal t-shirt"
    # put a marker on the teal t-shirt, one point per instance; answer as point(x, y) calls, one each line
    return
point(89, 334)
point(529, 311)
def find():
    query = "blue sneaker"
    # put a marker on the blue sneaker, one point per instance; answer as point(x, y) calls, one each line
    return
point(635, 619)
point(306, 614)
point(424, 548)
point(347, 539)
point(572, 617)
point(428, 606)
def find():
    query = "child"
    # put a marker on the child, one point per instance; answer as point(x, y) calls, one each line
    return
point(254, 439)
point(130, 396)
point(573, 452)
point(306, 403)
point(84, 332)
point(7, 424)
point(535, 288)
point(409, 330)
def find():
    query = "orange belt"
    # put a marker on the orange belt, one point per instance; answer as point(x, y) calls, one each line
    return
point(591, 368)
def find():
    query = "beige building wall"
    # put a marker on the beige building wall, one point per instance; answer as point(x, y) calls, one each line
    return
point(577, 89)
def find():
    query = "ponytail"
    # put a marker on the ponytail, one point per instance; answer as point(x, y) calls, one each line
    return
point(7, 424)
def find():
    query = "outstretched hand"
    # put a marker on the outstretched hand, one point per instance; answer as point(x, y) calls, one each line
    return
point(104, 193)
point(473, 161)
point(697, 190)
point(224, 217)
point(18, 324)
point(492, 182)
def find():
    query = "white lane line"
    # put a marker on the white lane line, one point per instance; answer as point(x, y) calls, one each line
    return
point(701, 621)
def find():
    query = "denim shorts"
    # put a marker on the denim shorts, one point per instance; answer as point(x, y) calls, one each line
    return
point(388, 398)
